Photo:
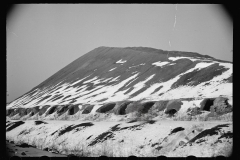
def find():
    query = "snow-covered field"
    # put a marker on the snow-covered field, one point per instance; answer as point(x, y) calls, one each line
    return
point(122, 139)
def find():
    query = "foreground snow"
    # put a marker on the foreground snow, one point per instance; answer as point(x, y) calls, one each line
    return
point(122, 139)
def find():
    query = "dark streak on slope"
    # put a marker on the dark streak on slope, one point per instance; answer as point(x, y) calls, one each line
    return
point(176, 130)
point(157, 89)
point(15, 124)
point(40, 122)
point(71, 127)
point(199, 76)
point(208, 132)
point(226, 135)
point(102, 137)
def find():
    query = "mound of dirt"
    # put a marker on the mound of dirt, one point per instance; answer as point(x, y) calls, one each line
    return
point(160, 105)
point(43, 109)
point(88, 109)
point(73, 109)
point(144, 108)
point(206, 104)
point(121, 109)
point(173, 106)
point(51, 110)
point(221, 106)
point(132, 107)
point(62, 109)
point(105, 108)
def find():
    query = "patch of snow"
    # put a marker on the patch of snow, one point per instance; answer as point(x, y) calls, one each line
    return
point(112, 69)
point(159, 64)
point(114, 79)
point(90, 80)
point(140, 85)
point(176, 58)
point(121, 61)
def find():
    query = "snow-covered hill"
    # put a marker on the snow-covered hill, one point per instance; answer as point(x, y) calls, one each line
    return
point(106, 75)
point(118, 95)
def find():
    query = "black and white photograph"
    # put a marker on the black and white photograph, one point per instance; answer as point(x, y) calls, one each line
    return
point(119, 80)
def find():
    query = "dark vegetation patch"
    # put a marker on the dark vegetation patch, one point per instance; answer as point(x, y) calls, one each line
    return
point(62, 110)
point(208, 132)
point(26, 131)
point(154, 144)
point(24, 145)
point(221, 106)
point(151, 121)
point(73, 109)
point(159, 148)
point(201, 140)
point(89, 137)
point(193, 111)
point(88, 109)
point(101, 100)
point(23, 153)
point(206, 104)
point(157, 89)
point(121, 110)
point(176, 130)
point(71, 127)
point(15, 125)
point(115, 128)
point(200, 76)
point(43, 109)
point(171, 112)
point(132, 121)
point(40, 122)
point(134, 127)
point(105, 108)
point(102, 137)
point(226, 135)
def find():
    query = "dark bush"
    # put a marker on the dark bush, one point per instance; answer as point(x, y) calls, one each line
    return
point(171, 112)
point(193, 111)
point(221, 106)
